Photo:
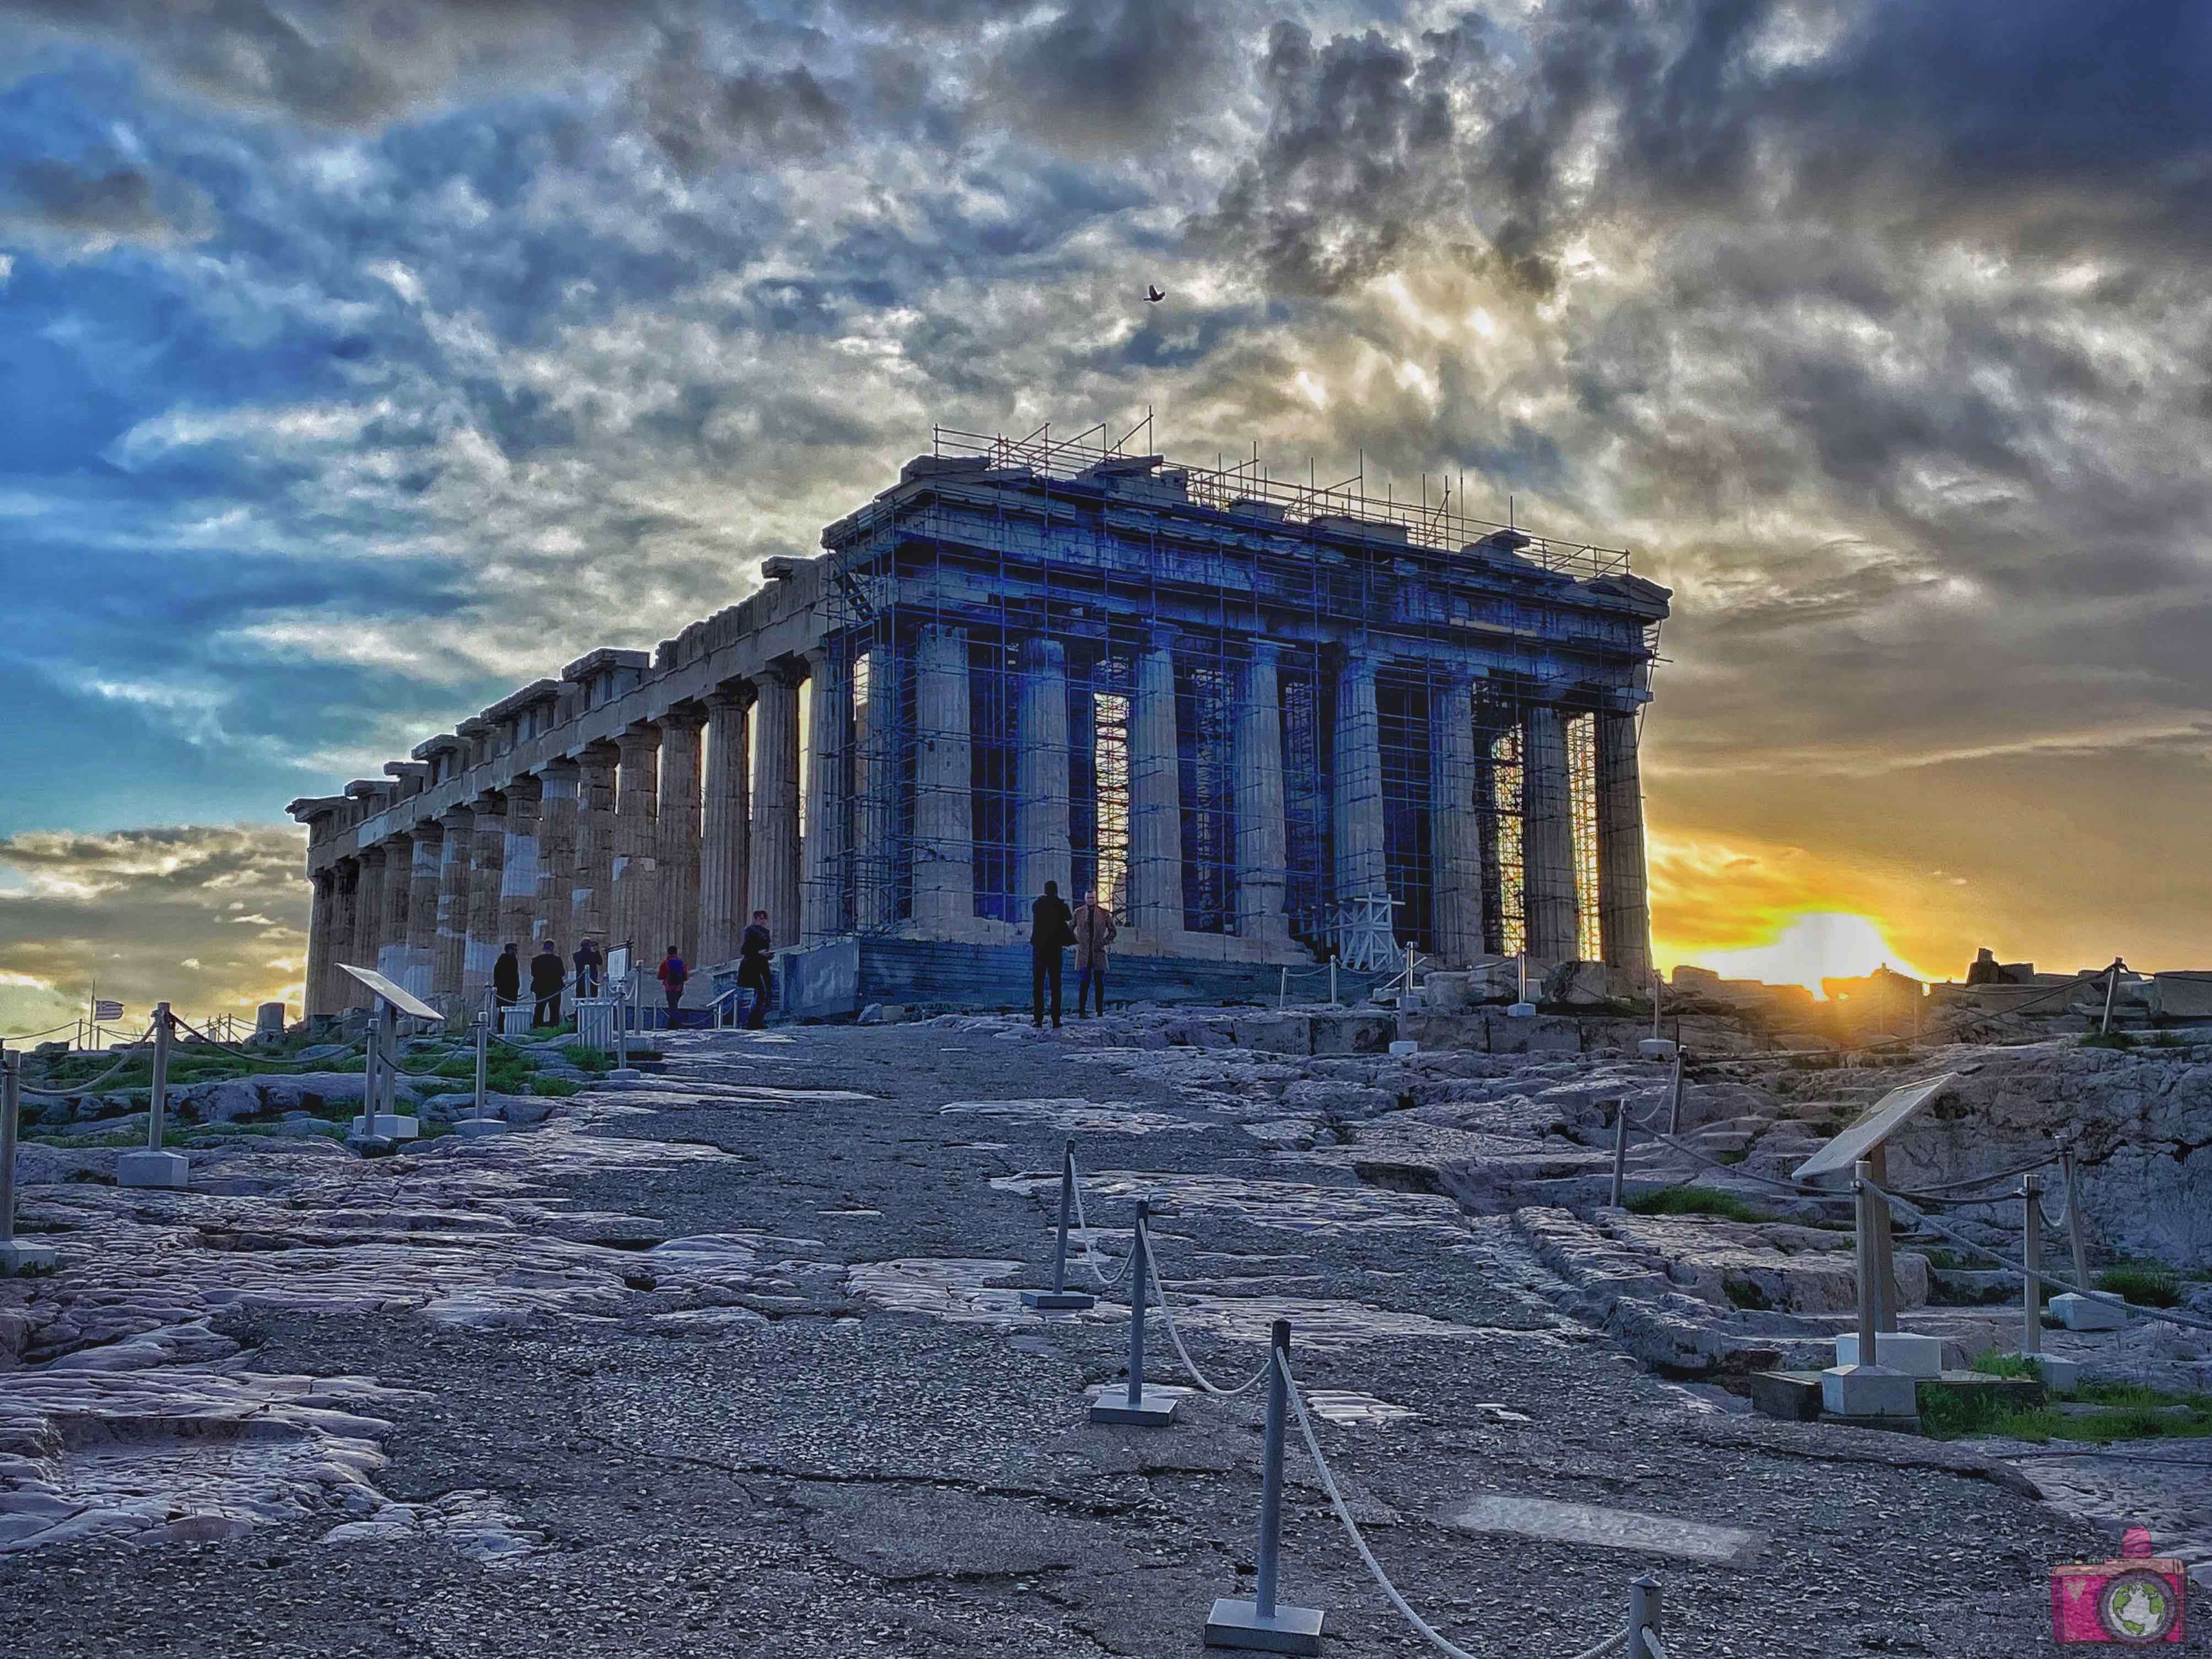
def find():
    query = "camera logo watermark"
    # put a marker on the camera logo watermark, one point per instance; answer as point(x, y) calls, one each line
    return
point(2140, 1600)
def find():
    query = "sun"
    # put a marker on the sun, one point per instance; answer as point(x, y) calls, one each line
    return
point(1820, 945)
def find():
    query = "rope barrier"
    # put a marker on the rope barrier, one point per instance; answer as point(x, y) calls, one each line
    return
point(1167, 1317)
point(1611, 1643)
point(29, 1036)
point(267, 1064)
point(90, 1085)
point(2171, 1315)
point(1083, 1225)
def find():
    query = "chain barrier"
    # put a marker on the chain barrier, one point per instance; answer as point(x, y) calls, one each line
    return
point(2172, 1315)
point(1174, 1336)
point(1083, 1225)
point(1436, 1638)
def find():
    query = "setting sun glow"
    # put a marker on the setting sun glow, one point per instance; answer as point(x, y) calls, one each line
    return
point(1822, 944)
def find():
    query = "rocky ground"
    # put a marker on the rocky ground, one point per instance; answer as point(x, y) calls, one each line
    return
point(732, 1362)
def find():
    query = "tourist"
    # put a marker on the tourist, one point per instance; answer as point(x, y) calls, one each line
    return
point(507, 977)
point(753, 975)
point(671, 975)
point(545, 985)
point(1094, 929)
point(1050, 935)
point(588, 966)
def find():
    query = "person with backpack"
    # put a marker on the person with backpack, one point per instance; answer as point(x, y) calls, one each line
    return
point(1050, 934)
point(671, 975)
point(753, 972)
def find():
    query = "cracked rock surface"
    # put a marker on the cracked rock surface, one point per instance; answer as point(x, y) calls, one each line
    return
point(733, 1363)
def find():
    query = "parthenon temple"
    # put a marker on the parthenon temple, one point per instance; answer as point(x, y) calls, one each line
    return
point(1269, 723)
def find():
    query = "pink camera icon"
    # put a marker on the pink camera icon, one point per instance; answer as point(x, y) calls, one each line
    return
point(2139, 1599)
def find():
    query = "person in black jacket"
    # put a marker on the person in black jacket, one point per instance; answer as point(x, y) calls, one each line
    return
point(589, 964)
point(1051, 932)
point(507, 977)
point(545, 985)
point(753, 970)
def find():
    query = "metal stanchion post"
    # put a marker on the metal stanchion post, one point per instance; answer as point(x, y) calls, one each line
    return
point(1137, 1404)
point(2068, 1178)
point(1060, 1297)
point(2111, 990)
point(1868, 1261)
point(154, 1167)
point(1332, 982)
point(1674, 1095)
point(1263, 1623)
point(2031, 1256)
point(1643, 1600)
point(1620, 1153)
point(483, 1062)
point(13, 1257)
point(480, 1121)
point(1282, 989)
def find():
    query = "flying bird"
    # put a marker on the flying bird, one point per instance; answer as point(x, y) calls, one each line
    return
point(1152, 295)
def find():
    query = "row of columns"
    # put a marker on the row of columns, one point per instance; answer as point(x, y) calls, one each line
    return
point(671, 833)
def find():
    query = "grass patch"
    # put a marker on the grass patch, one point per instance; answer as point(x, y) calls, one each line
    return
point(586, 1059)
point(555, 1088)
point(2106, 1040)
point(1990, 1362)
point(2147, 1284)
point(1695, 1201)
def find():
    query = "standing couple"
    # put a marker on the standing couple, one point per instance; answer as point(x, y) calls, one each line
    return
point(1053, 928)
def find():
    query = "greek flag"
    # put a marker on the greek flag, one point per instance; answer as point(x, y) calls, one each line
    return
point(102, 1009)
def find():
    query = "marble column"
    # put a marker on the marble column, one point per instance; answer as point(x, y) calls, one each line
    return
point(399, 894)
point(1549, 904)
point(456, 859)
point(829, 795)
point(422, 908)
point(487, 867)
point(591, 899)
point(315, 991)
point(368, 923)
point(1041, 769)
point(637, 809)
point(345, 913)
point(879, 871)
point(943, 785)
point(677, 828)
point(1356, 801)
point(557, 853)
point(1455, 847)
point(1624, 905)
point(1156, 907)
point(725, 835)
point(518, 868)
point(772, 883)
point(1263, 836)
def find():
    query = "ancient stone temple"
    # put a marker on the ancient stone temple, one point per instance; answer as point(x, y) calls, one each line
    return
point(1266, 722)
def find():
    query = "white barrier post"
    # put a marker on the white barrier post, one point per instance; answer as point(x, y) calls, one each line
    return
point(1282, 990)
point(480, 1121)
point(154, 1167)
point(1867, 1389)
point(1620, 1153)
point(14, 1258)
point(1059, 1299)
point(1262, 1624)
point(1332, 982)
point(1146, 1407)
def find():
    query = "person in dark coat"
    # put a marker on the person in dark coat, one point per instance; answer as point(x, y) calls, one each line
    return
point(507, 977)
point(545, 985)
point(1051, 932)
point(588, 964)
point(753, 972)
point(671, 974)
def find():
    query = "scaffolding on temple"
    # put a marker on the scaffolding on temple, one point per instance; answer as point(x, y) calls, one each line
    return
point(994, 634)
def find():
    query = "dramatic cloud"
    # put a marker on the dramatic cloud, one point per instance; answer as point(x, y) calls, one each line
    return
point(210, 920)
point(364, 360)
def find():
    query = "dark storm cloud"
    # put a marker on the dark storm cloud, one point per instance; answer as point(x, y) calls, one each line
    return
point(92, 209)
point(1109, 77)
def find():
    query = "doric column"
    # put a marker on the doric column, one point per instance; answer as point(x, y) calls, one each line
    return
point(345, 913)
point(943, 782)
point(422, 908)
point(367, 923)
point(828, 793)
point(1262, 839)
point(456, 859)
point(591, 900)
point(1549, 904)
point(518, 865)
point(1624, 905)
point(636, 892)
point(876, 865)
point(1041, 764)
point(557, 853)
point(1457, 829)
point(1155, 796)
point(1361, 871)
point(772, 884)
point(399, 894)
point(678, 833)
point(727, 832)
point(486, 865)
point(315, 991)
